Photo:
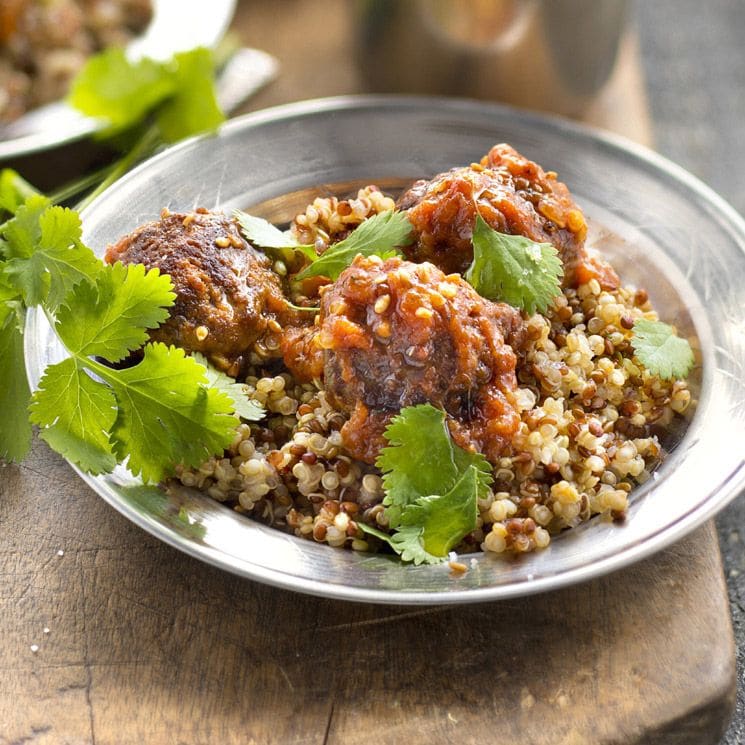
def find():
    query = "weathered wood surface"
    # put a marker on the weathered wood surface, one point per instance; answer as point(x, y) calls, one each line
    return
point(148, 645)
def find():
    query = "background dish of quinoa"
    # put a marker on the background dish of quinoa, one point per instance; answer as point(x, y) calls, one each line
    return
point(175, 27)
point(659, 227)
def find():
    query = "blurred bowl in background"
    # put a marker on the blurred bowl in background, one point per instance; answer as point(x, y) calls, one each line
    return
point(52, 143)
point(552, 55)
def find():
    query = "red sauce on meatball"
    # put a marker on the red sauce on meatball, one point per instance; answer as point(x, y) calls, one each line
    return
point(396, 334)
point(513, 195)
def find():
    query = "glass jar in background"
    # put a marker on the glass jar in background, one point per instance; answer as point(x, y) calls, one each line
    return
point(552, 55)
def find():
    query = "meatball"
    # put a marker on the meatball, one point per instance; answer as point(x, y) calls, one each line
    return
point(302, 355)
point(396, 334)
point(227, 296)
point(513, 195)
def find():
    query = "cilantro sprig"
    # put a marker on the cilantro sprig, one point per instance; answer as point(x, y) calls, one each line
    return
point(14, 191)
point(513, 269)
point(661, 350)
point(41, 246)
point(179, 93)
point(432, 486)
point(271, 239)
point(154, 414)
point(380, 235)
point(144, 103)
point(244, 407)
point(165, 409)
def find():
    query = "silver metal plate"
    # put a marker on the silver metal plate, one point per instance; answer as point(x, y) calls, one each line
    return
point(661, 228)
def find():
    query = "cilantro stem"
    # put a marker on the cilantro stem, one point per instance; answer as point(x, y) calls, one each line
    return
point(143, 147)
point(72, 189)
point(104, 372)
point(24, 189)
point(311, 309)
point(82, 360)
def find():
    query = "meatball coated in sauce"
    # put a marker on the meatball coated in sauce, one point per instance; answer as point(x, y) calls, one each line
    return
point(396, 334)
point(227, 297)
point(513, 195)
point(302, 355)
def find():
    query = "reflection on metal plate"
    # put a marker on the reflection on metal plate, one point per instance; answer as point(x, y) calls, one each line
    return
point(659, 225)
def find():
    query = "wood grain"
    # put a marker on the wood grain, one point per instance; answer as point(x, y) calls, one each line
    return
point(148, 645)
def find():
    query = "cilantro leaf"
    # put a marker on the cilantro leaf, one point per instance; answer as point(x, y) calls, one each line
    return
point(7, 291)
point(513, 269)
point(14, 191)
point(244, 407)
point(45, 256)
point(432, 526)
point(167, 414)
point(422, 460)
point(15, 432)
point(180, 92)
point(445, 520)
point(75, 414)
point(660, 350)
point(110, 318)
point(112, 87)
point(193, 106)
point(407, 543)
point(22, 232)
point(265, 235)
point(418, 460)
point(379, 235)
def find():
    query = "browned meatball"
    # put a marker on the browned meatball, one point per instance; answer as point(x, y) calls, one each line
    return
point(396, 334)
point(513, 195)
point(227, 297)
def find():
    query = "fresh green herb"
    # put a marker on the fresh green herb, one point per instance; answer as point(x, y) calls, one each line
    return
point(243, 406)
point(109, 318)
point(14, 191)
point(15, 431)
point(179, 92)
point(122, 92)
point(380, 235)
point(163, 410)
point(157, 413)
point(38, 259)
point(265, 235)
point(15, 434)
point(514, 269)
point(192, 107)
point(432, 526)
point(303, 308)
point(76, 414)
point(167, 414)
point(146, 104)
point(661, 350)
point(41, 245)
point(431, 485)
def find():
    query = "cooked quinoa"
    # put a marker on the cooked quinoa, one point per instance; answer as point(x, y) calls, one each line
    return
point(590, 420)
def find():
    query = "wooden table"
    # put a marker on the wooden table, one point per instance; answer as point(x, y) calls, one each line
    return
point(109, 636)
